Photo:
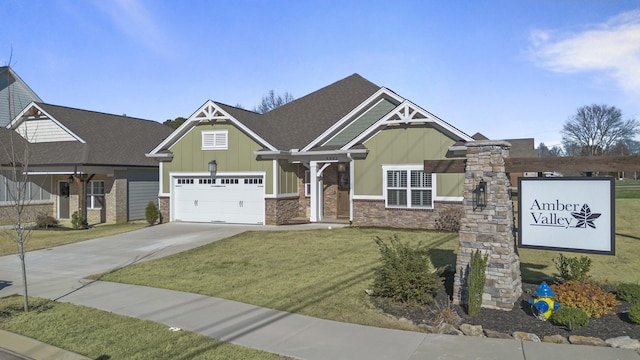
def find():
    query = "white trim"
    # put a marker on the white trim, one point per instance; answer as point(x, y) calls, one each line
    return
point(209, 108)
point(274, 177)
point(282, 196)
point(406, 111)
point(368, 197)
point(18, 120)
point(382, 91)
point(449, 198)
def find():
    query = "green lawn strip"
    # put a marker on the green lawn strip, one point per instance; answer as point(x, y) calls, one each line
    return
point(103, 335)
point(320, 273)
point(42, 239)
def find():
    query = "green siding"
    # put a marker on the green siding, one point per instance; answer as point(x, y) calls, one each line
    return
point(188, 155)
point(450, 184)
point(364, 122)
point(287, 177)
point(399, 144)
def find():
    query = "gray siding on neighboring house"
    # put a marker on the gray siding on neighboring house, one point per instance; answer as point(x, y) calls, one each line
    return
point(12, 88)
point(142, 187)
point(362, 123)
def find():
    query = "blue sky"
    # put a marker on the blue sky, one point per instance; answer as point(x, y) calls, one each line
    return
point(507, 69)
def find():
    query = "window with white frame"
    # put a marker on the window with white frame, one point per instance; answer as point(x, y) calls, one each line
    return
point(95, 194)
point(307, 183)
point(215, 140)
point(37, 188)
point(408, 187)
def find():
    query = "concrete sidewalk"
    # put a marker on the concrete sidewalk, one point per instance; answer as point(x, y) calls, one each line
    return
point(58, 274)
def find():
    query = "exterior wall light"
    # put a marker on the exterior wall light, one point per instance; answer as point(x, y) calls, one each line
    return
point(341, 168)
point(480, 195)
point(213, 168)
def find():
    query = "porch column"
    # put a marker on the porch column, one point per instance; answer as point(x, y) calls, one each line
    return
point(315, 202)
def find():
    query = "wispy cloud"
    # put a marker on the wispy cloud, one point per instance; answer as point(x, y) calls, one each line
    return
point(610, 49)
point(135, 21)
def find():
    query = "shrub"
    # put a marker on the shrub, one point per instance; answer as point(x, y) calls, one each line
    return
point(151, 213)
point(634, 313)
point(629, 293)
point(406, 274)
point(572, 268)
point(566, 315)
point(449, 220)
point(587, 297)
point(477, 279)
point(77, 220)
point(44, 220)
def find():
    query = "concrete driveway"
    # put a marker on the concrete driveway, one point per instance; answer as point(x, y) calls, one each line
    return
point(55, 272)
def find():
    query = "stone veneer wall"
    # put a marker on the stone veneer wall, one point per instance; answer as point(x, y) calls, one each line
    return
point(489, 230)
point(280, 211)
point(164, 207)
point(373, 213)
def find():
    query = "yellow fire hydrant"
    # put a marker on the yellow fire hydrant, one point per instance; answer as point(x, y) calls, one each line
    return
point(543, 305)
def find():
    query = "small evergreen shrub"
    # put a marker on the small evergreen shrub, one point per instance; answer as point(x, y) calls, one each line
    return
point(44, 220)
point(406, 274)
point(77, 220)
point(634, 313)
point(566, 315)
point(572, 268)
point(587, 297)
point(449, 220)
point(629, 293)
point(151, 213)
point(477, 279)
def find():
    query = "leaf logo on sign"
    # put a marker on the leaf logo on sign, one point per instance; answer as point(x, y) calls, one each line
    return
point(585, 217)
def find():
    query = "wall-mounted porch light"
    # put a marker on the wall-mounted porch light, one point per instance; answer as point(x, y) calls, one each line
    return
point(213, 168)
point(480, 196)
point(70, 180)
point(342, 167)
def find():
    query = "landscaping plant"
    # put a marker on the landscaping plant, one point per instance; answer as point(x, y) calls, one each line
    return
point(77, 221)
point(151, 213)
point(587, 297)
point(44, 220)
point(572, 268)
point(629, 293)
point(406, 274)
point(634, 313)
point(477, 279)
point(569, 315)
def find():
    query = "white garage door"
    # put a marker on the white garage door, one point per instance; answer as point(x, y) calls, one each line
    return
point(238, 200)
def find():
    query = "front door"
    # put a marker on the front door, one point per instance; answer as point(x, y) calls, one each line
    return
point(63, 200)
point(344, 205)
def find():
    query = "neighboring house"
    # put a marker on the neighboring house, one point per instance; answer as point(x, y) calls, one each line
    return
point(15, 95)
point(352, 151)
point(72, 152)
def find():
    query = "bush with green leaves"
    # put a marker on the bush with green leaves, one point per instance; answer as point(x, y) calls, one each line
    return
point(77, 220)
point(406, 274)
point(634, 313)
point(151, 213)
point(565, 315)
point(629, 293)
point(476, 280)
point(572, 268)
point(44, 220)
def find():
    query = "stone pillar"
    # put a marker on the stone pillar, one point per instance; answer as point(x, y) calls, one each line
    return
point(489, 230)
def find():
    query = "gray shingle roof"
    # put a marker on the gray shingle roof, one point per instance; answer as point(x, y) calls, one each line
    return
point(111, 140)
point(296, 124)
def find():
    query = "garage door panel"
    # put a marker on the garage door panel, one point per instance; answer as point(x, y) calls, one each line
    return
point(228, 200)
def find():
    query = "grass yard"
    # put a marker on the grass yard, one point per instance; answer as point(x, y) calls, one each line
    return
point(42, 239)
point(103, 335)
point(323, 273)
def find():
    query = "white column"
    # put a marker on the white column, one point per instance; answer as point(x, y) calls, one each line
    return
point(313, 178)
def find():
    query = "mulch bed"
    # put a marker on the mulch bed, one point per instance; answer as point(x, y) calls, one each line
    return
point(522, 319)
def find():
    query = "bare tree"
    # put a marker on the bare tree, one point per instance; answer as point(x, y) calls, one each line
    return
point(595, 129)
point(16, 187)
point(544, 151)
point(272, 101)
